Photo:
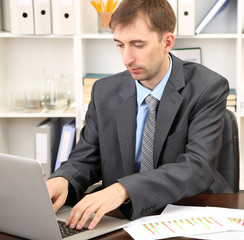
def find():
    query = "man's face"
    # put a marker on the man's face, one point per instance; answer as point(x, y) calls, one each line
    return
point(142, 51)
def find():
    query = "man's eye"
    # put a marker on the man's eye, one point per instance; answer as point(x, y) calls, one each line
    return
point(119, 45)
point(138, 45)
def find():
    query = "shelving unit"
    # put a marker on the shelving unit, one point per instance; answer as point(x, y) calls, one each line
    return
point(23, 58)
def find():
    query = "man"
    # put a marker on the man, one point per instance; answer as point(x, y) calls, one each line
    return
point(189, 122)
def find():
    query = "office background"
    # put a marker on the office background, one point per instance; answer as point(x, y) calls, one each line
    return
point(82, 50)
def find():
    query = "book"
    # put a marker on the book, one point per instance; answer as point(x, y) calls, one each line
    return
point(88, 81)
point(232, 94)
point(217, 7)
point(90, 78)
point(231, 108)
point(231, 100)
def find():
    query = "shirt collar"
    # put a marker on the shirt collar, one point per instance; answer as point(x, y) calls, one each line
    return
point(157, 92)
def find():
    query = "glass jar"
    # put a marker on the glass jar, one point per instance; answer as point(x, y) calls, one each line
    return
point(56, 94)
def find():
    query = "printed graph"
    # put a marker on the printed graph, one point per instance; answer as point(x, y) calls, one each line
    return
point(187, 221)
point(197, 224)
point(239, 221)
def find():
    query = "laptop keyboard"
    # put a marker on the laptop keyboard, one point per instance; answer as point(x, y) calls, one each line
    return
point(67, 232)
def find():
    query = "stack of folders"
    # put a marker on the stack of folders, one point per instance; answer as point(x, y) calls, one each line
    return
point(231, 100)
point(41, 17)
point(54, 139)
point(88, 81)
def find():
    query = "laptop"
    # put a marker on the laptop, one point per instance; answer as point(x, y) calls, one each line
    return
point(26, 209)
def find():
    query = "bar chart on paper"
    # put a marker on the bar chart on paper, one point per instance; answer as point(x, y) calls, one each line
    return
point(183, 225)
point(200, 222)
point(237, 234)
point(239, 221)
point(176, 227)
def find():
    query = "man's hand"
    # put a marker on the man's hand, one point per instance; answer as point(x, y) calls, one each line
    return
point(58, 191)
point(100, 203)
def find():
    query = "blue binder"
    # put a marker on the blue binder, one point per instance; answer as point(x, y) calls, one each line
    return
point(66, 143)
point(218, 6)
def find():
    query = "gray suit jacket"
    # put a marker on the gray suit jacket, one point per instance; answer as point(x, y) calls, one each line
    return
point(187, 141)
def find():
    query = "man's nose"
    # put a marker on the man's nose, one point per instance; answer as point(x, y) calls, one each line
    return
point(128, 57)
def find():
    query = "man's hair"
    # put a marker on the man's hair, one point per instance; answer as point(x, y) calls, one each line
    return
point(159, 15)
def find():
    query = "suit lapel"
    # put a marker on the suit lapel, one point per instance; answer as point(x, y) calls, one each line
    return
point(167, 110)
point(126, 123)
point(168, 106)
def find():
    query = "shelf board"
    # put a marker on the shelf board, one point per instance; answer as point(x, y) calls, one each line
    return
point(199, 36)
point(38, 114)
point(111, 36)
point(211, 36)
point(11, 35)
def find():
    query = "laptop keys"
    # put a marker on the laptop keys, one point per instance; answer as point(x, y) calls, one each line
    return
point(67, 232)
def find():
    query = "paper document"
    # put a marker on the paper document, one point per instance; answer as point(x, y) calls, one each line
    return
point(177, 221)
point(229, 235)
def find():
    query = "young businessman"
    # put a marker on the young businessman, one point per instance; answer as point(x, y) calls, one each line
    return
point(189, 122)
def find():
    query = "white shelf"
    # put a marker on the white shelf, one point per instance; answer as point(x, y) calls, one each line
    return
point(199, 36)
point(11, 35)
point(37, 115)
point(210, 36)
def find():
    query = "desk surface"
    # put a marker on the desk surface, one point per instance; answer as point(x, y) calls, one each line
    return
point(214, 200)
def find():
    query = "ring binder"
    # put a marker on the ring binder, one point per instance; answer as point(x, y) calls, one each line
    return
point(18, 16)
point(42, 16)
point(63, 17)
point(186, 17)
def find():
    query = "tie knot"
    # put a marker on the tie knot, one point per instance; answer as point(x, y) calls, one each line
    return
point(151, 102)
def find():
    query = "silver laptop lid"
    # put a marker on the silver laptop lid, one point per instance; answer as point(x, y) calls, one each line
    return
point(25, 206)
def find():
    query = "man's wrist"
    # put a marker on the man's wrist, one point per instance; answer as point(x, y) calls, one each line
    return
point(123, 192)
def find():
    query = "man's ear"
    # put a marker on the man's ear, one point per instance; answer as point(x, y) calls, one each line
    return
point(169, 41)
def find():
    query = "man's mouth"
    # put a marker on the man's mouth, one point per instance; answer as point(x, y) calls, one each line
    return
point(135, 70)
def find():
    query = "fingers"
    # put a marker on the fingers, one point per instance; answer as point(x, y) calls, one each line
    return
point(58, 191)
point(82, 212)
point(98, 216)
point(98, 203)
point(57, 204)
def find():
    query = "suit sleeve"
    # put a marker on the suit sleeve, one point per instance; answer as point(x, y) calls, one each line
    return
point(83, 167)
